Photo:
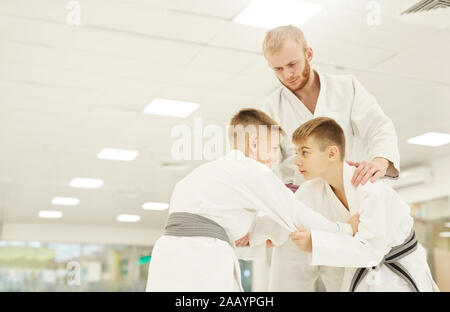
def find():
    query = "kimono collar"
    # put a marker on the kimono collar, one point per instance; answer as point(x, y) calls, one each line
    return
point(321, 100)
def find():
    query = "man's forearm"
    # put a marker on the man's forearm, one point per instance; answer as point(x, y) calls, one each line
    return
point(383, 162)
point(390, 170)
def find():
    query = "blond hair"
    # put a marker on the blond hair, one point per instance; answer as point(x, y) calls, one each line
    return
point(276, 37)
point(325, 130)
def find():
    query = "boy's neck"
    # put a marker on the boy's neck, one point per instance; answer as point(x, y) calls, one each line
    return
point(335, 178)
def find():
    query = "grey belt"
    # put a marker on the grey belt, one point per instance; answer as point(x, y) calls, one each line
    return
point(190, 224)
point(391, 261)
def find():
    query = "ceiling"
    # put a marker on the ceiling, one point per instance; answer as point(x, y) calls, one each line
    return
point(66, 92)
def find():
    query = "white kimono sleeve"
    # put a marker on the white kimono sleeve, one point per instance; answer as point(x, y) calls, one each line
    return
point(263, 228)
point(281, 210)
point(268, 194)
point(375, 129)
point(366, 249)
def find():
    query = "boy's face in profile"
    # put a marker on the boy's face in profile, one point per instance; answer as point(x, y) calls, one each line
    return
point(310, 160)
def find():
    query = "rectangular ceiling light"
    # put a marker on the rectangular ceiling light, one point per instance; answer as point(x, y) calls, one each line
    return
point(445, 234)
point(173, 108)
point(117, 154)
point(86, 183)
point(65, 201)
point(51, 214)
point(128, 218)
point(273, 13)
point(431, 139)
point(155, 206)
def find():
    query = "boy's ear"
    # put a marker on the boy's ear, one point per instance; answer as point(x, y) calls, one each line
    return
point(333, 152)
point(253, 142)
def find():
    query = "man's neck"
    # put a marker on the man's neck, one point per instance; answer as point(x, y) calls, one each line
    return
point(309, 94)
point(335, 178)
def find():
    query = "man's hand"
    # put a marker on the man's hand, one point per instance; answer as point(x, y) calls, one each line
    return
point(354, 222)
point(292, 187)
point(269, 244)
point(302, 238)
point(242, 242)
point(366, 170)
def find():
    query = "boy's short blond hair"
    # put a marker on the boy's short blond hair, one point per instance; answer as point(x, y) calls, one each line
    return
point(325, 130)
point(276, 37)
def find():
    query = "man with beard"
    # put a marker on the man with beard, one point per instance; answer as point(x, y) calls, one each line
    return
point(371, 140)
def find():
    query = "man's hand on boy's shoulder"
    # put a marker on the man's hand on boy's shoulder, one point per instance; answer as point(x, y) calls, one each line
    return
point(366, 170)
point(302, 238)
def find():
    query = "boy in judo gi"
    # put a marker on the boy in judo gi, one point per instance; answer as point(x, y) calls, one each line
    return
point(384, 255)
point(217, 204)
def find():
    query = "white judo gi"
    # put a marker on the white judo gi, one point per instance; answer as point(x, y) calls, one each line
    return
point(385, 222)
point(368, 131)
point(230, 191)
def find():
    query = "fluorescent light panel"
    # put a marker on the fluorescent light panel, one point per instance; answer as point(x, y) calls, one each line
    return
point(51, 214)
point(272, 13)
point(155, 206)
point(444, 234)
point(173, 108)
point(86, 183)
point(65, 201)
point(117, 154)
point(431, 139)
point(128, 218)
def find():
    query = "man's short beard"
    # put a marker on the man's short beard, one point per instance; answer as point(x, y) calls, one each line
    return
point(304, 78)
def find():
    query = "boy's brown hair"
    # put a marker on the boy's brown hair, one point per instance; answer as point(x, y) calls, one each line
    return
point(256, 117)
point(250, 119)
point(325, 130)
